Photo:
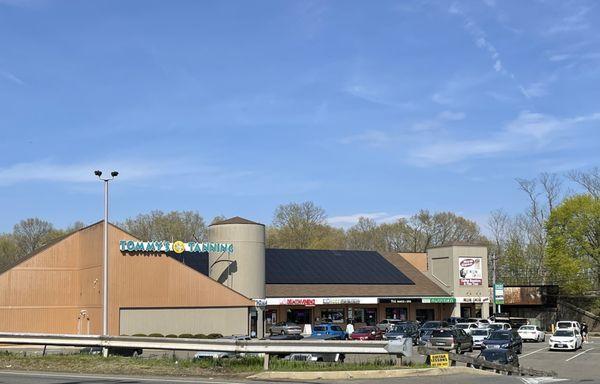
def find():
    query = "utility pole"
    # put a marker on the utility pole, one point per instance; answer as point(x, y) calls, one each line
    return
point(494, 282)
point(113, 174)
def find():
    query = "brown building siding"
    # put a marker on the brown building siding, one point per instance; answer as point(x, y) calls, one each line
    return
point(48, 291)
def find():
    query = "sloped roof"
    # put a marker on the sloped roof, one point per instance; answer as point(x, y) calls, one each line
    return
point(235, 220)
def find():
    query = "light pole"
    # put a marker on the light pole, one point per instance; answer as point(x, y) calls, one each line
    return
point(113, 174)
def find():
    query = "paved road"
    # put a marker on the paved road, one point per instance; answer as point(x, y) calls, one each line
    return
point(31, 378)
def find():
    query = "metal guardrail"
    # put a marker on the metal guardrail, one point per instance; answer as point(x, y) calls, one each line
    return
point(481, 363)
point(266, 347)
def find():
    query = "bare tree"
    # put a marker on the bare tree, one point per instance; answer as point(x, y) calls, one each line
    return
point(174, 225)
point(589, 180)
point(30, 234)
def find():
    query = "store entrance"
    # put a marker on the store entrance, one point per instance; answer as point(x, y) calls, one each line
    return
point(299, 316)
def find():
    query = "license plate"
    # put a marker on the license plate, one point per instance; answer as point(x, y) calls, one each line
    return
point(560, 345)
point(495, 346)
point(440, 343)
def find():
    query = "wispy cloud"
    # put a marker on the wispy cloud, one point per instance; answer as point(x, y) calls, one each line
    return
point(11, 77)
point(438, 121)
point(347, 221)
point(375, 96)
point(574, 22)
point(373, 138)
point(527, 132)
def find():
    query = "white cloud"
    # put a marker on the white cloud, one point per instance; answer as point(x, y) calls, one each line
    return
point(373, 138)
point(527, 132)
point(574, 22)
point(11, 77)
point(438, 121)
point(347, 221)
point(375, 96)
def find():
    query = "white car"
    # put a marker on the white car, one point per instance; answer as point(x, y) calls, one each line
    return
point(499, 327)
point(568, 325)
point(532, 333)
point(566, 339)
point(467, 327)
point(478, 335)
point(481, 323)
point(222, 355)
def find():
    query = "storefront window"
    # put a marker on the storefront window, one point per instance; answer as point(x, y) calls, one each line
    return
point(271, 316)
point(424, 315)
point(299, 316)
point(335, 315)
point(371, 316)
point(396, 313)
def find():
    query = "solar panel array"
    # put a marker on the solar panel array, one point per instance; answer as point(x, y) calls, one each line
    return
point(194, 260)
point(303, 266)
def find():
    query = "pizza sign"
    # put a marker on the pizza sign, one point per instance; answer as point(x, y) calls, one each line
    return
point(470, 271)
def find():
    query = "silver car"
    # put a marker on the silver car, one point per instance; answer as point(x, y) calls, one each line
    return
point(478, 335)
point(285, 328)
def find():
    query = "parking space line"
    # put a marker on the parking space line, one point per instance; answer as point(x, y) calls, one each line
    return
point(531, 353)
point(579, 354)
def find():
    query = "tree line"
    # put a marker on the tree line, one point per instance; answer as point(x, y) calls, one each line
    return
point(555, 240)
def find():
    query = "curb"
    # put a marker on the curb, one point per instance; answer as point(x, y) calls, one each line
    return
point(370, 374)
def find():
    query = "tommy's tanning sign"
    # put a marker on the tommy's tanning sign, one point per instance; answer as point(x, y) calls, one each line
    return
point(176, 246)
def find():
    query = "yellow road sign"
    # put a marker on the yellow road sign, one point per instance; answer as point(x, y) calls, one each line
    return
point(440, 360)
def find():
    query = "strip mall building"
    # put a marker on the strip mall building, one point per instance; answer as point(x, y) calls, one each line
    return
point(231, 285)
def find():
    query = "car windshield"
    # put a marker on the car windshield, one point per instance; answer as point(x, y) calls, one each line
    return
point(320, 328)
point(495, 326)
point(399, 328)
point(462, 326)
point(479, 332)
point(494, 355)
point(431, 324)
point(499, 336)
point(364, 330)
point(441, 333)
point(564, 333)
point(564, 325)
point(527, 328)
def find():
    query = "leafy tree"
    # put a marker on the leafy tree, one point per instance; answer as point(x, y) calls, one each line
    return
point(574, 244)
point(174, 225)
point(299, 225)
point(9, 251)
point(364, 235)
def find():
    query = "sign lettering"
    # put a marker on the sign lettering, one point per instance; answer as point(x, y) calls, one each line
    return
point(439, 360)
point(177, 246)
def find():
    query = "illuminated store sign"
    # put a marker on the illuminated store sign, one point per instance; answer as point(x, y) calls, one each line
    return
point(177, 246)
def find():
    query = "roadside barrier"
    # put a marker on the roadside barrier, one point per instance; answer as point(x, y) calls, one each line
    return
point(267, 347)
point(479, 363)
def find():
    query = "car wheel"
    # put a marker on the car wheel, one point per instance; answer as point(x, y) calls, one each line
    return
point(459, 349)
point(282, 332)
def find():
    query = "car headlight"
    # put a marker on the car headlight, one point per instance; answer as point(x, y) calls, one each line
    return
point(504, 345)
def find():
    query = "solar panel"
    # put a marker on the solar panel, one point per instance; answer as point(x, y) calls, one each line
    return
point(194, 260)
point(303, 266)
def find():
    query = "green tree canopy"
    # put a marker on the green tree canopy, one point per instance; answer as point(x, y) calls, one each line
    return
point(574, 244)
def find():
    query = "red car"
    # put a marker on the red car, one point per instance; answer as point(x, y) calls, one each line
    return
point(367, 333)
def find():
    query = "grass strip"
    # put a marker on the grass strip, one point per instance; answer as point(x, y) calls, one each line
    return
point(169, 366)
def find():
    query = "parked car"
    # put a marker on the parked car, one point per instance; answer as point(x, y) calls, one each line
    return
point(221, 355)
point(568, 325)
point(403, 330)
point(425, 336)
point(479, 321)
point(454, 320)
point(113, 351)
point(285, 328)
point(329, 330)
point(451, 339)
point(478, 335)
point(367, 333)
point(532, 333)
point(285, 337)
point(386, 324)
point(501, 356)
point(318, 357)
point(503, 339)
point(566, 339)
point(434, 325)
point(467, 327)
point(499, 327)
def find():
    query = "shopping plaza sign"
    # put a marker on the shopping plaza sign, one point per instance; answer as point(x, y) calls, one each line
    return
point(176, 246)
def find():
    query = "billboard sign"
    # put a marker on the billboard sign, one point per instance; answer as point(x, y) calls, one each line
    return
point(176, 246)
point(470, 271)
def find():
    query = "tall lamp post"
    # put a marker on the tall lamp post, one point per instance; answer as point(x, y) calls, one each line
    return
point(113, 174)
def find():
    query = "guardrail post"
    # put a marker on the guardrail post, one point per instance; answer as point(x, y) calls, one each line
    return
point(44, 351)
point(266, 362)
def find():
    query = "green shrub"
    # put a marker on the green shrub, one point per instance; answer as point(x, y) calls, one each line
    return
point(199, 336)
point(171, 336)
point(139, 335)
point(186, 336)
point(215, 336)
point(156, 335)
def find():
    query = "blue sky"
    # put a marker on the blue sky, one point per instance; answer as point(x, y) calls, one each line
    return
point(234, 107)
